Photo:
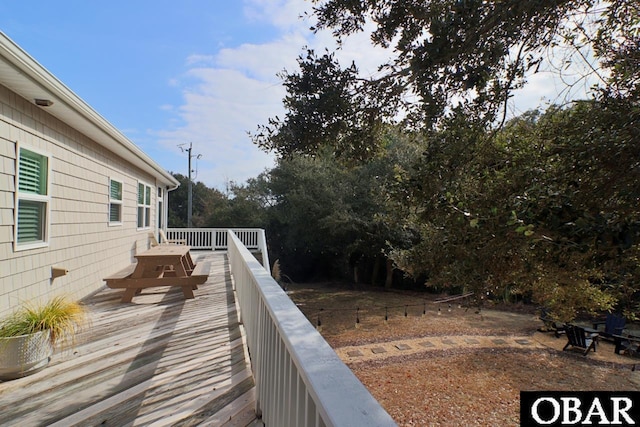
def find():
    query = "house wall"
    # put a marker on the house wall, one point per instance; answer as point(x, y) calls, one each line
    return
point(80, 237)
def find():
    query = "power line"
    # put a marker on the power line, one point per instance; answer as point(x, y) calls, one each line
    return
point(190, 188)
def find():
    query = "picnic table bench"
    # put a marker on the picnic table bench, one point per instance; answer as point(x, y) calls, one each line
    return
point(163, 265)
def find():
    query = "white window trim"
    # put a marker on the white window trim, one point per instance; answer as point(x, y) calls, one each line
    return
point(115, 201)
point(32, 197)
point(144, 206)
point(160, 209)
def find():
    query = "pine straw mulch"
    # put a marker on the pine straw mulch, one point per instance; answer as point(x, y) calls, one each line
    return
point(453, 386)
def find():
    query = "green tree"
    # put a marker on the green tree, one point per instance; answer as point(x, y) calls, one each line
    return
point(327, 219)
point(246, 205)
point(536, 209)
point(204, 201)
point(590, 211)
point(544, 205)
point(323, 104)
point(308, 215)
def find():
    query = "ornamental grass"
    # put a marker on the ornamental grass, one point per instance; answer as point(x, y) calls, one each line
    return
point(63, 318)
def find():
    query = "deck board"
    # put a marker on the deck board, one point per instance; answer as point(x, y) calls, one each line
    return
point(160, 360)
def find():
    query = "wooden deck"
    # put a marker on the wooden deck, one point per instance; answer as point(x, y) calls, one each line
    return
point(160, 360)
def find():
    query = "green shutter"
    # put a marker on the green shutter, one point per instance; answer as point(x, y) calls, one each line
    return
point(33, 173)
point(31, 219)
point(116, 191)
point(114, 212)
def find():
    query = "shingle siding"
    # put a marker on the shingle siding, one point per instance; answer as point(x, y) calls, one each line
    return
point(80, 237)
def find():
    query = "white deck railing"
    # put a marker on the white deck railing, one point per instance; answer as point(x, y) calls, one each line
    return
point(300, 380)
point(215, 239)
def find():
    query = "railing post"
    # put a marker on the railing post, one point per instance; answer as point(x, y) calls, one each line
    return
point(262, 246)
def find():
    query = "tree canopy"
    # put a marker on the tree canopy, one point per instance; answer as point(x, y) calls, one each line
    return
point(476, 52)
point(447, 56)
point(544, 206)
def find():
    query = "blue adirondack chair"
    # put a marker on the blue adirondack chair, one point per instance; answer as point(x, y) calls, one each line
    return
point(613, 325)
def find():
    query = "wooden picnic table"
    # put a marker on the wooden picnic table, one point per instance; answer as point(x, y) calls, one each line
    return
point(162, 259)
point(162, 265)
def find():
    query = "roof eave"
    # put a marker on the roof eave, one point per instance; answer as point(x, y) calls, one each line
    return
point(25, 76)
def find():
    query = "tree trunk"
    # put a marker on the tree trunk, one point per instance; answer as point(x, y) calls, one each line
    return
point(376, 270)
point(388, 283)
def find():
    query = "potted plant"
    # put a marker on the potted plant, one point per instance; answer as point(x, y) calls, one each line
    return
point(29, 335)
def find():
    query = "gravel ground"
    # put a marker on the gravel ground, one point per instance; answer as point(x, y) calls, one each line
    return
point(459, 385)
point(451, 388)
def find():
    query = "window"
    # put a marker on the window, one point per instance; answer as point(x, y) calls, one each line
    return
point(32, 199)
point(144, 205)
point(115, 202)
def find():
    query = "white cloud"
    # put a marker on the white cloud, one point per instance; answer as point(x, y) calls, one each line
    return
point(200, 60)
point(263, 61)
point(216, 115)
point(286, 15)
point(230, 92)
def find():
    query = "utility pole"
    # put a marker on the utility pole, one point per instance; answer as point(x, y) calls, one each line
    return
point(189, 186)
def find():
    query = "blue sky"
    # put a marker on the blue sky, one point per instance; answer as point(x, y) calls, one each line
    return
point(169, 72)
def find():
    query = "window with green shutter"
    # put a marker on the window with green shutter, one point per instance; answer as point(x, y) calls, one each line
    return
point(33, 199)
point(115, 202)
